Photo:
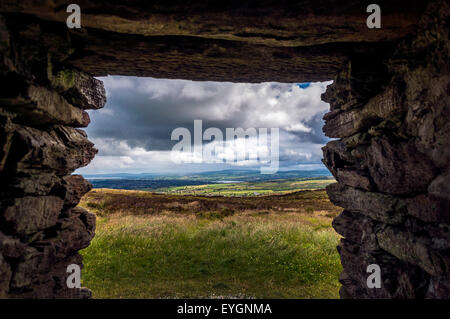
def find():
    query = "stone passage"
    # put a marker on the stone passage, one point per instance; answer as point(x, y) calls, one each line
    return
point(389, 109)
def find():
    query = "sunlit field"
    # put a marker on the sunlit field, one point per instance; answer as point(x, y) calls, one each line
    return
point(276, 187)
point(182, 246)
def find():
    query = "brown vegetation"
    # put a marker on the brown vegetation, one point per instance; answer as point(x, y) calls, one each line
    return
point(144, 203)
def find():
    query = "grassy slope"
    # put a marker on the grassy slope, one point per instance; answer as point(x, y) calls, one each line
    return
point(156, 246)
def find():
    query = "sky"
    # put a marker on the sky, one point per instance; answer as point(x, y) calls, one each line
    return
point(133, 132)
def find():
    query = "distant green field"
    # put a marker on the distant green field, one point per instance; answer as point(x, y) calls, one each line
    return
point(275, 187)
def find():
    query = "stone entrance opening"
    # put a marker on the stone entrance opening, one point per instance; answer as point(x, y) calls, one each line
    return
point(389, 109)
point(190, 224)
point(155, 126)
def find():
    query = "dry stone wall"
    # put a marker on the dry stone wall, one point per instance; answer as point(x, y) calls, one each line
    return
point(42, 108)
point(389, 113)
point(392, 165)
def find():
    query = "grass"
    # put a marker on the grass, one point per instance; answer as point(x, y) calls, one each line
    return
point(275, 187)
point(244, 249)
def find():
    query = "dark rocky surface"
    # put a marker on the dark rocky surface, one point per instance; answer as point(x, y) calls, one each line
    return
point(389, 109)
point(392, 166)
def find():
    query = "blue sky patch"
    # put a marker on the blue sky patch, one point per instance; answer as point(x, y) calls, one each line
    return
point(303, 85)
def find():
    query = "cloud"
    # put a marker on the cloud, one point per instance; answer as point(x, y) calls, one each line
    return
point(133, 131)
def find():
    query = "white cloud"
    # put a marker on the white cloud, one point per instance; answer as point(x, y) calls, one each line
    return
point(132, 132)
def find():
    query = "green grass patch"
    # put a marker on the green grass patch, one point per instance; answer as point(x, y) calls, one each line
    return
point(262, 255)
point(250, 189)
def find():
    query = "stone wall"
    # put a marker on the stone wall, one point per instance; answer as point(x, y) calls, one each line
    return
point(42, 107)
point(389, 111)
point(392, 163)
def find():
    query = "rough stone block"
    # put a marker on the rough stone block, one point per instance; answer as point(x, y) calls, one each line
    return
point(72, 232)
point(5, 277)
point(30, 214)
point(73, 189)
point(11, 247)
point(384, 208)
point(31, 266)
point(80, 89)
point(354, 178)
point(429, 209)
point(60, 150)
point(6, 132)
point(39, 105)
point(412, 249)
point(35, 183)
point(349, 226)
point(347, 123)
point(440, 186)
point(439, 287)
point(398, 168)
point(336, 155)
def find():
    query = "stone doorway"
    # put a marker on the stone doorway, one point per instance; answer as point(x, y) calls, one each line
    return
point(389, 109)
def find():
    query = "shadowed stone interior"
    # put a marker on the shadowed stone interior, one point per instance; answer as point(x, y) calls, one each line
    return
point(389, 112)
